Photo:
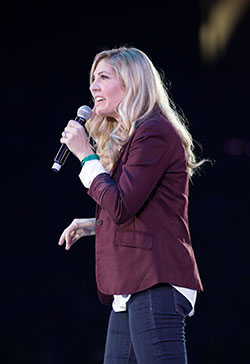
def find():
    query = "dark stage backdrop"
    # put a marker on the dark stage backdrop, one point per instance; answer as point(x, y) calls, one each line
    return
point(50, 310)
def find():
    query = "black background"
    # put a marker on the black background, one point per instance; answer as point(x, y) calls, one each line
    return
point(50, 310)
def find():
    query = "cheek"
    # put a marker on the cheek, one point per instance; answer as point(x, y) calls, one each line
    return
point(114, 95)
point(119, 95)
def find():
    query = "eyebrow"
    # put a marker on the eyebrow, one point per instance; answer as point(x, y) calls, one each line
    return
point(99, 73)
point(103, 72)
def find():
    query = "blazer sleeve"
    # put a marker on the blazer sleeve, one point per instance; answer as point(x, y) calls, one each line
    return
point(148, 158)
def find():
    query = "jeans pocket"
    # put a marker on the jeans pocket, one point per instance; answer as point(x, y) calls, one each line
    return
point(181, 303)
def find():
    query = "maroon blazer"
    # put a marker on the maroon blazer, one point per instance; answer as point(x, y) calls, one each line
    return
point(142, 234)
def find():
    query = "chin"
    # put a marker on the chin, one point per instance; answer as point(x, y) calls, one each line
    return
point(104, 113)
point(101, 112)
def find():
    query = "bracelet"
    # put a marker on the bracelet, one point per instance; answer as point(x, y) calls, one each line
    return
point(90, 157)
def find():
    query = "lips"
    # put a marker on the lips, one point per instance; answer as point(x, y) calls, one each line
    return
point(99, 99)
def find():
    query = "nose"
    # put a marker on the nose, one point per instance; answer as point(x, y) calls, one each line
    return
point(94, 86)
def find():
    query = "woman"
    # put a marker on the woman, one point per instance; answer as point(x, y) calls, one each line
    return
point(145, 265)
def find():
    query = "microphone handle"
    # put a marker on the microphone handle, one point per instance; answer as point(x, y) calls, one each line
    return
point(64, 151)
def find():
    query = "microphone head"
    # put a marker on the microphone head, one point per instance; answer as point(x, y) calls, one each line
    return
point(84, 112)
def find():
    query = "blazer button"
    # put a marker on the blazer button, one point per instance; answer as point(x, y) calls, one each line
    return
point(99, 222)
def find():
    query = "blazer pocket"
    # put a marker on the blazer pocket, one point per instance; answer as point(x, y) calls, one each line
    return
point(134, 239)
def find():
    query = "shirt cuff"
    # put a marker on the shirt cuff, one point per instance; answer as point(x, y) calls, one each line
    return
point(90, 170)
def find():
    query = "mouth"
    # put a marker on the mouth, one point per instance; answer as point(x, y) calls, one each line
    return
point(99, 100)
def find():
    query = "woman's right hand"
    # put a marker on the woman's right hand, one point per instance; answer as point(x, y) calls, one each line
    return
point(76, 230)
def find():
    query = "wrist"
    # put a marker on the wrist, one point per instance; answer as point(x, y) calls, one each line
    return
point(83, 155)
point(89, 157)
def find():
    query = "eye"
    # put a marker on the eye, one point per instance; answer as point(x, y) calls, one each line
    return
point(103, 77)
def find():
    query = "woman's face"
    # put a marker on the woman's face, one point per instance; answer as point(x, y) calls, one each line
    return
point(107, 90)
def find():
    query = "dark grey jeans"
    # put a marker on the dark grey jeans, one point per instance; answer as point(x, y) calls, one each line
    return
point(151, 331)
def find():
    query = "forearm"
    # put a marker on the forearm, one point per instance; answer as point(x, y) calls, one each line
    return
point(92, 226)
point(87, 226)
point(76, 230)
point(89, 171)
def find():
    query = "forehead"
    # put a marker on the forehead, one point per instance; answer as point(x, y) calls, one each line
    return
point(103, 66)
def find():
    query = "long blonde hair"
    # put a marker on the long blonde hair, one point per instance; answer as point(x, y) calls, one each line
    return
point(144, 89)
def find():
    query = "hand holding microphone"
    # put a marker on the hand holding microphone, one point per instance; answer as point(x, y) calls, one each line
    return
point(74, 139)
point(74, 136)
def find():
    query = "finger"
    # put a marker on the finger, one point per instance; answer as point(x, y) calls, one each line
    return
point(73, 240)
point(73, 124)
point(76, 237)
point(69, 235)
point(62, 239)
point(64, 140)
point(70, 129)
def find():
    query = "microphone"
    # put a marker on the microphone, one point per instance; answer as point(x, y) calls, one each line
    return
point(83, 114)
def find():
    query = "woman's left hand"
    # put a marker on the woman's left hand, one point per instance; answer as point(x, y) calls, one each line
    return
point(74, 136)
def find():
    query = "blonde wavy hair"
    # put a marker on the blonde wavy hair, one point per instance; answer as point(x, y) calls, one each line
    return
point(144, 88)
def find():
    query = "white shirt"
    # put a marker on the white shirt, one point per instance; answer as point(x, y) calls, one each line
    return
point(119, 303)
point(89, 172)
